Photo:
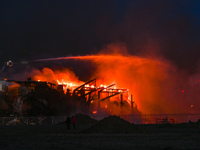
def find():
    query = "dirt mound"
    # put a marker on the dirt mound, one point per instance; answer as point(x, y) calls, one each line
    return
point(167, 125)
point(111, 124)
point(186, 125)
point(85, 119)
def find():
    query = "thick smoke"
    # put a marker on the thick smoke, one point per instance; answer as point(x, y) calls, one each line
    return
point(42, 29)
point(169, 28)
point(157, 85)
point(158, 55)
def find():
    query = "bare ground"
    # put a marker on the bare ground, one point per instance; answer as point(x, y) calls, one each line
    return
point(154, 137)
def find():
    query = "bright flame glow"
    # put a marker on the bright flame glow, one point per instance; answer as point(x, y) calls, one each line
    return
point(94, 112)
point(154, 82)
point(64, 77)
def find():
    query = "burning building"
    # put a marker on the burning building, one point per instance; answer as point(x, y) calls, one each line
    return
point(34, 98)
point(118, 83)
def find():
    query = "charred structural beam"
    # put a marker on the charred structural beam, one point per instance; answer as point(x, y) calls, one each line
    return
point(114, 90)
point(83, 85)
point(109, 96)
point(106, 87)
point(94, 90)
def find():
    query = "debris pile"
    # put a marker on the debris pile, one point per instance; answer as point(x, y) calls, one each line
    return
point(85, 119)
point(111, 124)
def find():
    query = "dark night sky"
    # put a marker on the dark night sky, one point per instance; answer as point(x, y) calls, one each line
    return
point(34, 29)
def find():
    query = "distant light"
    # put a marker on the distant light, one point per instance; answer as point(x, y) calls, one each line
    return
point(94, 112)
point(9, 63)
point(183, 91)
point(192, 106)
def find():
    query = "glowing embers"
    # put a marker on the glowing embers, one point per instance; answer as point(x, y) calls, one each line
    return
point(67, 85)
point(94, 112)
point(92, 94)
point(86, 95)
point(88, 87)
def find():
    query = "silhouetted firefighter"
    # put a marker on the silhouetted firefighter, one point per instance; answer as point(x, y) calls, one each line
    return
point(74, 122)
point(68, 121)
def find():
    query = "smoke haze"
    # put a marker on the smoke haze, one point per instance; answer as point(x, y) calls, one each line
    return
point(150, 47)
point(156, 84)
point(45, 29)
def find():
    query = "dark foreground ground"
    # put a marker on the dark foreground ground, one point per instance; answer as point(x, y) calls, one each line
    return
point(154, 137)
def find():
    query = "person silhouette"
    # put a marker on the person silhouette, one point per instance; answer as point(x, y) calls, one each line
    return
point(68, 121)
point(74, 122)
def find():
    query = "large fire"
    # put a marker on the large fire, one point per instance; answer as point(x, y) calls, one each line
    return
point(155, 84)
point(60, 77)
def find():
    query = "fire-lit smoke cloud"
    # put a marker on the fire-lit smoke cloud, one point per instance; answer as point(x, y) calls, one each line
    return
point(169, 28)
point(156, 84)
point(56, 77)
point(145, 78)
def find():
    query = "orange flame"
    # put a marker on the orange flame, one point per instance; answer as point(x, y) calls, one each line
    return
point(154, 83)
point(94, 112)
point(65, 77)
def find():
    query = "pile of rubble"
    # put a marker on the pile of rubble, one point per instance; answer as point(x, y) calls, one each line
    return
point(85, 119)
point(112, 124)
